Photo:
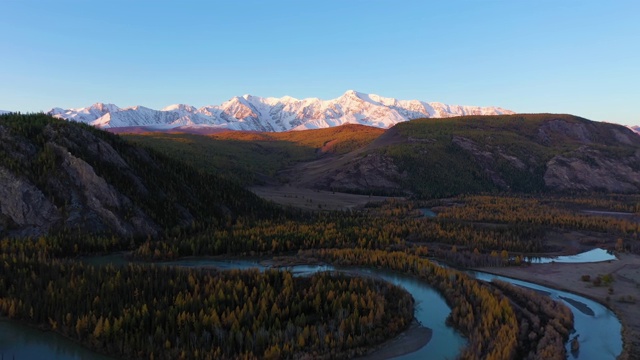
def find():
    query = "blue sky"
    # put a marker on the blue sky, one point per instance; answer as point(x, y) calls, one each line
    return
point(571, 56)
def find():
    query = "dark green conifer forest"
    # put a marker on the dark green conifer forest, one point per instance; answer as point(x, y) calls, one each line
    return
point(160, 207)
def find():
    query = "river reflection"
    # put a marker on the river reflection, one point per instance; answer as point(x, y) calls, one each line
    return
point(595, 255)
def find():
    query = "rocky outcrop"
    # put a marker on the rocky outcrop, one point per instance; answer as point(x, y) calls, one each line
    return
point(75, 141)
point(24, 209)
point(557, 131)
point(587, 169)
point(69, 194)
point(71, 180)
point(95, 202)
point(558, 127)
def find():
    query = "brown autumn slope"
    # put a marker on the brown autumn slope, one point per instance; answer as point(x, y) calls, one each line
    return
point(256, 157)
point(425, 158)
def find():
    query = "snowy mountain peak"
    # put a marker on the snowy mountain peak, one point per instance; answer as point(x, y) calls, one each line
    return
point(180, 107)
point(255, 113)
point(352, 94)
point(104, 107)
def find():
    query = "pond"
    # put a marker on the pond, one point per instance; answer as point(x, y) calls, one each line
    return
point(426, 212)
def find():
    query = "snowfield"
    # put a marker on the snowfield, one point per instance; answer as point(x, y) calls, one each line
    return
point(255, 113)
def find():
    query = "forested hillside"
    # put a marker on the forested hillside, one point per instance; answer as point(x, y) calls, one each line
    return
point(61, 176)
point(425, 158)
point(429, 158)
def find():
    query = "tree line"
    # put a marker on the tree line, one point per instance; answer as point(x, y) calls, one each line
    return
point(490, 316)
point(146, 311)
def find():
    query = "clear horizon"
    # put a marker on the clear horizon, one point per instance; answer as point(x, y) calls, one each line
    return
point(576, 57)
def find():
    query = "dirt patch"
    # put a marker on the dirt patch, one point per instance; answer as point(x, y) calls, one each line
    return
point(622, 296)
point(361, 170)
point(314, 199)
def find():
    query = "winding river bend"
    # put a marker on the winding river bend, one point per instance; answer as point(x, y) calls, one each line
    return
point(599, 328)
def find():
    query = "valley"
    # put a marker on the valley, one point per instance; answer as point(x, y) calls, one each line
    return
point(311, 199)
point(498, 189)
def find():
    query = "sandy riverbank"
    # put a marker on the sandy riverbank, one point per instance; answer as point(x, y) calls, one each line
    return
point(626, 276)
point(411, 340)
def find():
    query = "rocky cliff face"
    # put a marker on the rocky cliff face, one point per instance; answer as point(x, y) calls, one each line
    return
point(592, 157)
point(76, 196)
point(24, 209)
point(605, 157)
point(94, 202)
point(588, 169)
point(60, 176)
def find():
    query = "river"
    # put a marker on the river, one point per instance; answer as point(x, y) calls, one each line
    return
point(599, 329)
point(22, 342)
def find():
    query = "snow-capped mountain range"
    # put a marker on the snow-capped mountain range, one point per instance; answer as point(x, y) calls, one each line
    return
point(273, 114)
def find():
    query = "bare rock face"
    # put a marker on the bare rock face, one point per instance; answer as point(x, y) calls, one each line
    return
point(24, 206)
point(574, 131)
point(73, 139)
point(97, 202)
point(588, 169)
point(70, 180)
point(625, 137)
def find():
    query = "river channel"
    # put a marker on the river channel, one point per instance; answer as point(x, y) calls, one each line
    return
point(599, 328)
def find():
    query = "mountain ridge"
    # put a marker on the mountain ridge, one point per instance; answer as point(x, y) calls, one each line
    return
point(270, 114)
point(525, 153)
